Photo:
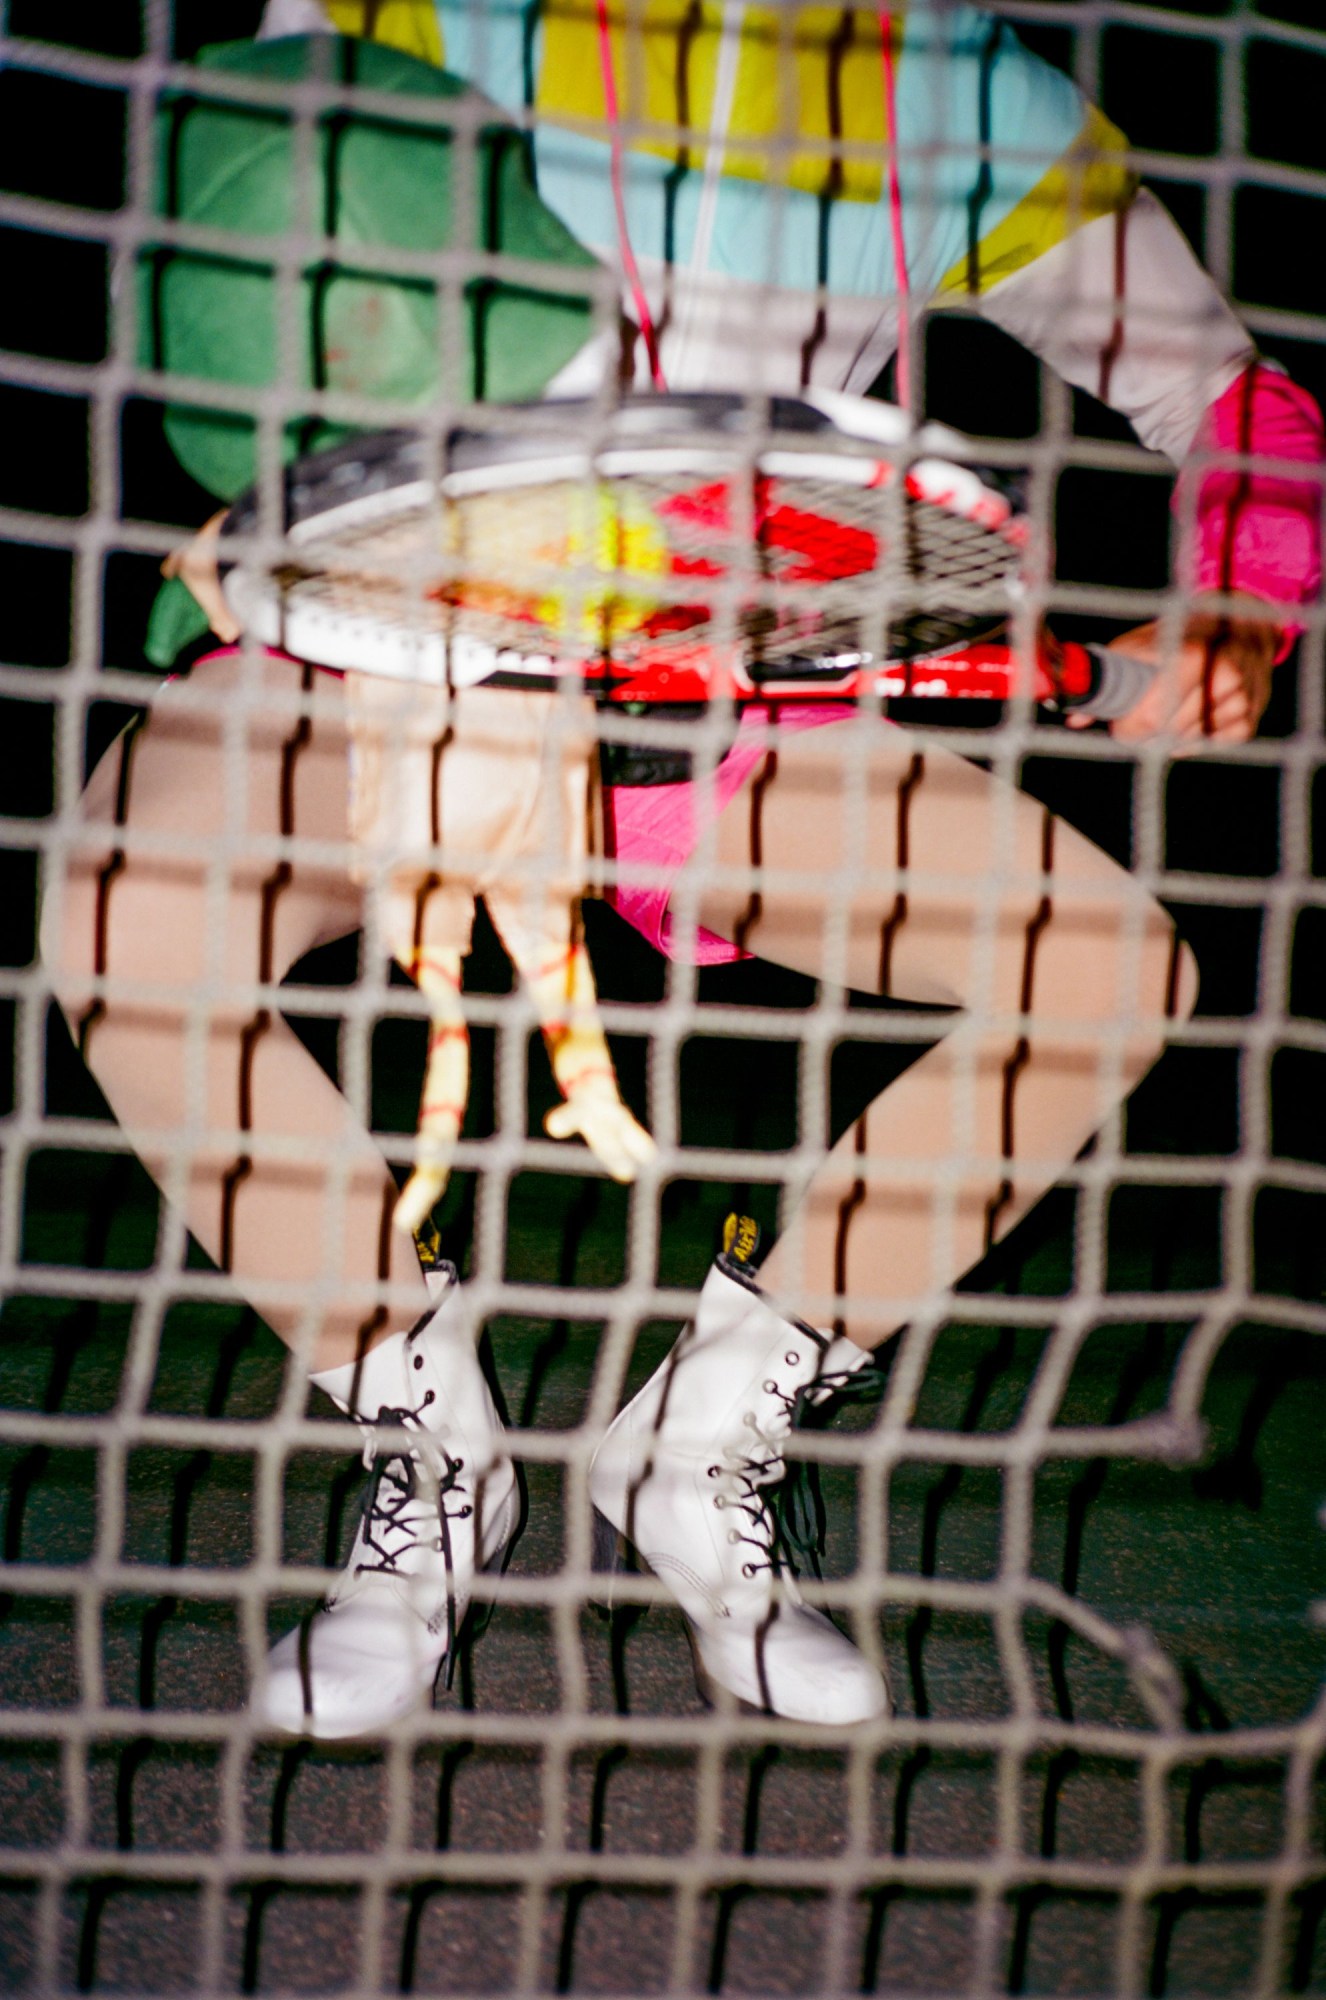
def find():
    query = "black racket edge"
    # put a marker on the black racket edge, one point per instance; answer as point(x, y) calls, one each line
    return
point(378, 461)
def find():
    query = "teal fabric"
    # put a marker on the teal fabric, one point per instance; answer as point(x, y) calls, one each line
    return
point(372, 180)
point(965, 84)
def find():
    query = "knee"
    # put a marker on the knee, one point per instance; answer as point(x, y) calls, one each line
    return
point(66, 940)
point(1167, 987)
point(1166, 991)
point(72, 940)
point(1183, 979)
point(1154, 985)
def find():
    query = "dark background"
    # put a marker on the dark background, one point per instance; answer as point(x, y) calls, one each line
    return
point(1221, 1560)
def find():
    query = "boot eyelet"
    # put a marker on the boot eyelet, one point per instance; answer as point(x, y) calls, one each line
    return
point(792, 1359)
point(734, 1534)
point(438, 1545)
point(719, 1500)
point(748, 1569)
point(430, 1396)
point(418, 1360)
point(715, 1471)
point(460, 1465)
point(465, 1513)
point(771, 1387)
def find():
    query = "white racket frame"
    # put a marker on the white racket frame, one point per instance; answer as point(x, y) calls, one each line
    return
point(348, 642)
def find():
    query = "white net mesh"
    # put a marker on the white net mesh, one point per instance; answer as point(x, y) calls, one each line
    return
point(1076, 1518)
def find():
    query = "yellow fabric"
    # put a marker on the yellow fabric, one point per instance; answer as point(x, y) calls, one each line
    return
point(812, 72)
point(409, 25)
point(1093, 178)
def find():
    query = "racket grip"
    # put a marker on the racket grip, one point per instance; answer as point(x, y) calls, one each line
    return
point(1118, 682)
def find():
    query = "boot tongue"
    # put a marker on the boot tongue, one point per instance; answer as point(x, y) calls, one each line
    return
point(843, 1357)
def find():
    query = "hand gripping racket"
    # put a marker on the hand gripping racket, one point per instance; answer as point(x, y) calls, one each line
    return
point(673, 549)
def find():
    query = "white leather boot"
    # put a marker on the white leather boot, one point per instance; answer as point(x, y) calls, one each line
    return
point(443, 1501)
point(684, 1474)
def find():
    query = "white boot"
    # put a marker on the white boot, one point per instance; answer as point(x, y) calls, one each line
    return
point(443, 1502)
point(684, 1475)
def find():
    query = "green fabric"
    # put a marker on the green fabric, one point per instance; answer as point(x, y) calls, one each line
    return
point(374, 180)
point(174, 622)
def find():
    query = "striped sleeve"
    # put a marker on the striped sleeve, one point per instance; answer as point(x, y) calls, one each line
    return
point(1000, 156)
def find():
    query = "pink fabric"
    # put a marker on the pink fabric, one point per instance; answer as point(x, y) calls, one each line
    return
point(1259, 532)
point(658, 826)
point(268, 653)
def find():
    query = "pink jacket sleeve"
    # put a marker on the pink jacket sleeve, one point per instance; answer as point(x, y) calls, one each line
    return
point(1257, 532)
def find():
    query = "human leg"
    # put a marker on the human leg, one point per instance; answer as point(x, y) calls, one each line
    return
point(968, 893)
point(177, 891)
point(902, 870)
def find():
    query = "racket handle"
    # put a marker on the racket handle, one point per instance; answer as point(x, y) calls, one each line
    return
point(1115, 683)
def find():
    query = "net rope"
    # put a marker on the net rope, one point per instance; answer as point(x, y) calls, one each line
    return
point(272, 1865)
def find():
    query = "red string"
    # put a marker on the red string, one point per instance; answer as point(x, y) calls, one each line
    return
point(895, 210)
point(638, 299)
point(629, 265)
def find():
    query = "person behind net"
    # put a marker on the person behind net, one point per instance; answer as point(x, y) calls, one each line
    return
point(750, 266)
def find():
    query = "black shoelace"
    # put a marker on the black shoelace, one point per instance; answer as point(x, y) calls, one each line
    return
point(798, 1504)
point(393, 1484)
point(756, 1476)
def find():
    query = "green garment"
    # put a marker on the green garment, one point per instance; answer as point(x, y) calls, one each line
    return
point(373, 179)
point(175, 621)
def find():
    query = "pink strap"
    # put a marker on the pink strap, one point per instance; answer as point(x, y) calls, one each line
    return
point(900, 272)
point(659, 825)
point(1258, 532)
point(629, 265)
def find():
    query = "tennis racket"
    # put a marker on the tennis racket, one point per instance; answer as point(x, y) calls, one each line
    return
point(675, 549)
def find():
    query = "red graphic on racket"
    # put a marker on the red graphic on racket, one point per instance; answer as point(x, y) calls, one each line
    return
point(671, 549)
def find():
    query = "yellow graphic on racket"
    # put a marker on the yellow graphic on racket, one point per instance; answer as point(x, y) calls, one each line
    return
point(563, 558)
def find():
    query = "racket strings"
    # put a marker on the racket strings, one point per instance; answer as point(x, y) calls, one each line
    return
point(614, 569)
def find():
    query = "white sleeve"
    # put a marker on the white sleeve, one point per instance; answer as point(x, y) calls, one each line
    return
point(292, 17)
point(1123, 309)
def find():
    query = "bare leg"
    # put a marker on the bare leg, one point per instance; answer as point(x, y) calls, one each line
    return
point(1066, 970)
point(202, 1078)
